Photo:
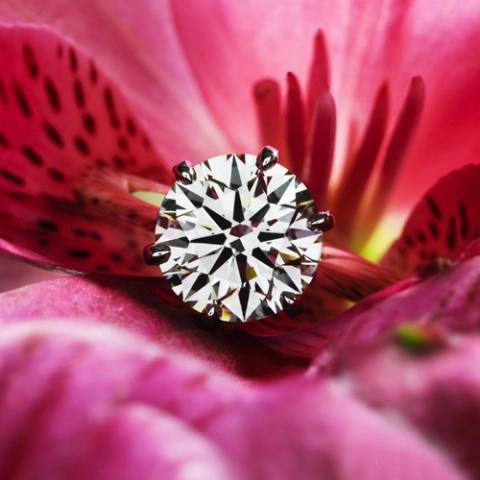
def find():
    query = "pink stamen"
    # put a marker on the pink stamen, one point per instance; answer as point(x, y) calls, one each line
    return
point(318, 167)
point(268, 104)
point(295, 116)
point(402, 136)
point(319, 80)
point(353, 185)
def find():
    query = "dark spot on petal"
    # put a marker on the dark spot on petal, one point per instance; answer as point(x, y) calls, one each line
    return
point(133, 244)
point(82, 146)
point(57, 175)
point(122, 143)
point(95, 200)
point(79, 254)
point(30, 61)
point(93, 73)
point(421, 236)
point(96, 236)
point(22, 101)
point(146, 143)
point(12, 177)
point(79, 95)
point(32, 156)
point(47, 225)
point(110, 104)
point(434, 208)
point(20, 196)
point(43, 241)
point(57, 202)
point(80, 232)
point(452, 234)
point(72, 56)
point(52, 95)
point(3, 93)
point(100, 162)
point(89, 124)
point(424, 255)
point(131, 128)
point(7, 217)
point(117, 258)
point(3, 141)
point(53, 134)
point(60, 50)
point(409, 241)
point(102, 268)
point(463, 220)
point(434, 230)
point(119, 161)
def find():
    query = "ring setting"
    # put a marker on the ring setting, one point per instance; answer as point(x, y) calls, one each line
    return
point(239, 237)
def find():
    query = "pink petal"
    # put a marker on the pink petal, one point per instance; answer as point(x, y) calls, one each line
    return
point(443, 223)
point(137, 441)
point(78, 386)
point(439, 393)
point(148, 308)
point(83, 390)
point(68, 140)
point(15, 274)
point(317, 431)
point(443, 37)
point(147, 61)
point(449, 298)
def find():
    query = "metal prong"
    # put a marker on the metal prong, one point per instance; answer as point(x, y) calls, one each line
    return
point(184, 172)
point(321, 222)
point(209, 319)
point(156, 254)
point(267, 158)
point(212, 310)
point(292, 304)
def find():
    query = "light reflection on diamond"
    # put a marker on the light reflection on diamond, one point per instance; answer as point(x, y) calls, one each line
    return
point(238, 237)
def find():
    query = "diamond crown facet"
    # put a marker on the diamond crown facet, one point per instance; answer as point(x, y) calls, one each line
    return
point(238, 234)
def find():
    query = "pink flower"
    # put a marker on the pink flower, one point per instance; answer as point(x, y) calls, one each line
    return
point(115, 379)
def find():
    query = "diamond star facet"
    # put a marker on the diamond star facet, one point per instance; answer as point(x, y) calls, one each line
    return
point(239, 237)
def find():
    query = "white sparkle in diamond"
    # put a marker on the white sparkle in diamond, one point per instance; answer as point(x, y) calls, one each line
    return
point(238, 237)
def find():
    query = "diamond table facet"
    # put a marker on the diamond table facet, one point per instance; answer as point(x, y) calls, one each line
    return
point(238, 238)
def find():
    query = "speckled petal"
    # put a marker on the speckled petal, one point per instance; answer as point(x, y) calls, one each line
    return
point(443, 223)
point(70, 148)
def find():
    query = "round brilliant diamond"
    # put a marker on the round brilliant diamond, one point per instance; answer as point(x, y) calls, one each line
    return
point(238, 237)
